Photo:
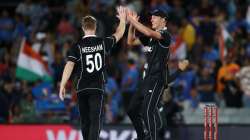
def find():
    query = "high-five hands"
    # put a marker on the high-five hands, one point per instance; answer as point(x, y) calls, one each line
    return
point(132, 15)
point(121, 13)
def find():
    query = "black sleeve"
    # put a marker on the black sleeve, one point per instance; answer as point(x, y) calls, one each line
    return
point(74, 53)
point(144, 40)
point(109, 43)
point(166, 38)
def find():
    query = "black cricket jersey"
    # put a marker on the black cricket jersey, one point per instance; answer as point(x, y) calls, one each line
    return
point(89, 56)
point(157, 54)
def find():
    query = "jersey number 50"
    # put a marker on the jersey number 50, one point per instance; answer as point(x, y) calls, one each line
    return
point(93, 61)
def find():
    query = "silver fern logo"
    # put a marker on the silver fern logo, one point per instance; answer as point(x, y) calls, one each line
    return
point(147, 49)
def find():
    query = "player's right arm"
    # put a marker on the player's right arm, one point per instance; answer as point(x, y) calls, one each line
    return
point(72, 58)
point(65, 77)
point(132, 39)
point(122, 25)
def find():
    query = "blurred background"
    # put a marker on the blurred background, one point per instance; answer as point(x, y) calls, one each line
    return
point(214, 35)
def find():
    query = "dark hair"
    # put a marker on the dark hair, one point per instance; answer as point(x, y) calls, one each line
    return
point(88, 23)
point(131, 61)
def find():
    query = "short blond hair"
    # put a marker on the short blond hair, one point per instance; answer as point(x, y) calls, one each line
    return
point(88, 23)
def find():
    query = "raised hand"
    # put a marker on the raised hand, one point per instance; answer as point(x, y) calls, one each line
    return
point(183, 64)
point(121, 12)
point(132, 15)
point(135, 16)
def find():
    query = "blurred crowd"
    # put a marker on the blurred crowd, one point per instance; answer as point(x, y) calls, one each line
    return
point(214, 35)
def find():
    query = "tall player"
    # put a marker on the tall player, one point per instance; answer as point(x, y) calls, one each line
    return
point(89, 54)
point(157, 50)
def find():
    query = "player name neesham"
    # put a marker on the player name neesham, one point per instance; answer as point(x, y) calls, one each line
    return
point(92, 49)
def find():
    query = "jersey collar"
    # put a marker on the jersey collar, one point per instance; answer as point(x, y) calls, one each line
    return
point(89, 36)
point(164, 28)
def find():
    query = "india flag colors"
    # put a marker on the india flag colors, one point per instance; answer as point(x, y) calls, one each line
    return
point(225, 42)
point(30, 65)
point(178, 49)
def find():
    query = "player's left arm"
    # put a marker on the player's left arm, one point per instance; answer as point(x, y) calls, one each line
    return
point(122, 25)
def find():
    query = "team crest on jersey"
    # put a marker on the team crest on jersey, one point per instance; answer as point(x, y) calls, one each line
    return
point(147, 49)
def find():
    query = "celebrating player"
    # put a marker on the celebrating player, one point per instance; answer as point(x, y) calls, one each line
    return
point(156, 44)
point(89, 54)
